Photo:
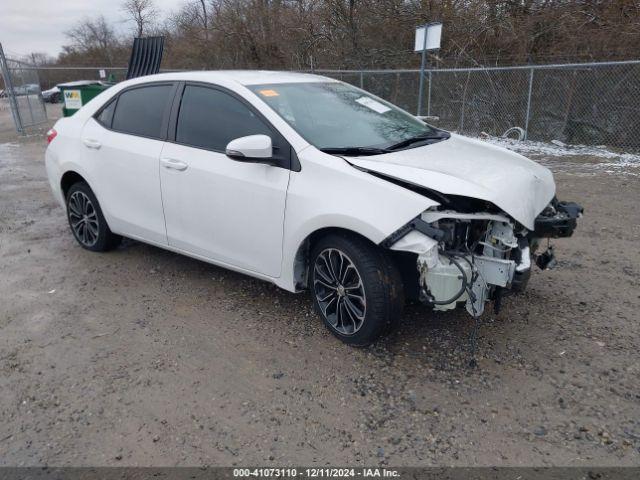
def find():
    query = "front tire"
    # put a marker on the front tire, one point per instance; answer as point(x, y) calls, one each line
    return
point(356, 288)
point(86, 220)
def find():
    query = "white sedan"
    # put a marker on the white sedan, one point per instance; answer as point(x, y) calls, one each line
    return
point(311, 184)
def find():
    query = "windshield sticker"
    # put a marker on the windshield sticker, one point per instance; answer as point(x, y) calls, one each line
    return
point(269, 93)
point(373, 105)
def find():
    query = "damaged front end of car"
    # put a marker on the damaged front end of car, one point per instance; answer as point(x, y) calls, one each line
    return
point(471, 252)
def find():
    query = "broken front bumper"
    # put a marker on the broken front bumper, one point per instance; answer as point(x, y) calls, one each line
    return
point(476, 257)
point(558, 220)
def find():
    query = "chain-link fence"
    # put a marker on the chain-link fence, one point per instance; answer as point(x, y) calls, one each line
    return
point(591, 104)
point(21, 94)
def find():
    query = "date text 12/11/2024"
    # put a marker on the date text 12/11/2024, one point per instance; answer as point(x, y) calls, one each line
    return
point(315, 472)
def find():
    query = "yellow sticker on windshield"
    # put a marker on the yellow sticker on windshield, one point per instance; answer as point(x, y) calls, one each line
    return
point(269, 93)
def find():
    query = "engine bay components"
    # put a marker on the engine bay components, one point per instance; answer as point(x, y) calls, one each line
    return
point(475, 256)
point(476, 262)
point(444, 284)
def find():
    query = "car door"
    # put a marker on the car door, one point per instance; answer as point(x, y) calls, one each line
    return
point(223, 209)
point(122, 146)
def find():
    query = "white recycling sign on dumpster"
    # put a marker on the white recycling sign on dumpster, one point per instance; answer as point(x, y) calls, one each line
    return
point(72, 99)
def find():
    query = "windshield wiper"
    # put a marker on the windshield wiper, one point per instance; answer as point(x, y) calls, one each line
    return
point(361, 151)
point(418, 139)
point(355, 151)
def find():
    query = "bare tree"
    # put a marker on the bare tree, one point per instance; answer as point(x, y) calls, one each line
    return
point(39, 58)
point(142, 12)
point(301, 34)
point(93, 38)
point(204, 19)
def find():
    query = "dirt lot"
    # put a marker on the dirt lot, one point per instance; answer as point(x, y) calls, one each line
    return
point(144, 357)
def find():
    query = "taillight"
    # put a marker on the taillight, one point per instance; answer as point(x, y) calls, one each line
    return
point(51, 134)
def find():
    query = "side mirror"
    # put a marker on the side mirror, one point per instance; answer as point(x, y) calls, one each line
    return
point(254, 148)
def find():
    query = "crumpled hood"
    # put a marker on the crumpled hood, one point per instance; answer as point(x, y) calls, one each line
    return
point(471, 168)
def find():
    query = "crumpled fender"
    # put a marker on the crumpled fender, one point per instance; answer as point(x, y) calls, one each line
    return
point(333, 194)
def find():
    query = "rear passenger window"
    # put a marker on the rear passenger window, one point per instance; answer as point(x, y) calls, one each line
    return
point(211, 119)
point(106, 115)
point(140, 111)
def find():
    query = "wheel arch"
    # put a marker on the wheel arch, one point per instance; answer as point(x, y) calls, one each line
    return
point(74, 175)
point(301, 257)
point(68, 179)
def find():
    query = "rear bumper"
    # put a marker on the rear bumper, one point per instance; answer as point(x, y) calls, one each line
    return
point(54, 176)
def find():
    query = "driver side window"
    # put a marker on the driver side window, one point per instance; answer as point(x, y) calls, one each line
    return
point(210, 119)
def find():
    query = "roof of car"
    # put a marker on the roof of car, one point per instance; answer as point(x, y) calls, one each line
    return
point(244, 77)
point(82, 83)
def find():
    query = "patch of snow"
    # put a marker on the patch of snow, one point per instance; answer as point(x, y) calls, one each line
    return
point(7, 148)
point(599, 158)
point(559, 149)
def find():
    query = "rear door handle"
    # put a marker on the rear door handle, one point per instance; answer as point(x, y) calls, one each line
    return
point(90, 143)
point(173, 164)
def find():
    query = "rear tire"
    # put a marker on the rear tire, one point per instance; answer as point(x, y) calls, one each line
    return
point(86, 220)
point(356, 288)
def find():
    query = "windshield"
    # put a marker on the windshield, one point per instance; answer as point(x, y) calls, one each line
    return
point(338, 116)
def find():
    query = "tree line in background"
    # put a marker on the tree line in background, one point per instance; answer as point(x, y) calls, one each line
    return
point(361, 34)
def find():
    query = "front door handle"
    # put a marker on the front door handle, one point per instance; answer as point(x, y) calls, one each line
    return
point(173, 164)
point(90, 143)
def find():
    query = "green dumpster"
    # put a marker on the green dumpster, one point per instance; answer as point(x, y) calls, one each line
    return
point(77, 94)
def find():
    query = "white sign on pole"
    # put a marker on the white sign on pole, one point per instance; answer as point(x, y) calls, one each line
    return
point(102, 73)
point(434, 34)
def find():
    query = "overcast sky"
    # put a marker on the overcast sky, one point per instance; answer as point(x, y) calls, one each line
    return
point(38, 25)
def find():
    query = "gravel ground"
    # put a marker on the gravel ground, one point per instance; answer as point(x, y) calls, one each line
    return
point(145, 357)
